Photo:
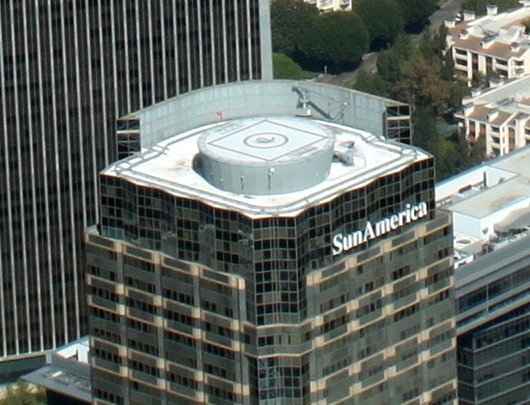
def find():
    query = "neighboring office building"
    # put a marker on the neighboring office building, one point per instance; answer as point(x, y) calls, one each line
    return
point(493, 319)
point(224, 268)
point(68, 69)
point(332, 5)
point(499, 115)
point(495, 43)
point(486, 202)
point(491, 218)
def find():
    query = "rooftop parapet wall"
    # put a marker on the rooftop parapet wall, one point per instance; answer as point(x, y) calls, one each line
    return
point(360, 110)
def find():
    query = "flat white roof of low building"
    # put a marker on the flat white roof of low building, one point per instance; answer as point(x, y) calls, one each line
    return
point(169, 165)
point(491, 200)
point(67, 372)
point(490, 203)
point(507, 181)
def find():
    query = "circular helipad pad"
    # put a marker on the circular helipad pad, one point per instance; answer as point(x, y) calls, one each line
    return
point(266, 155)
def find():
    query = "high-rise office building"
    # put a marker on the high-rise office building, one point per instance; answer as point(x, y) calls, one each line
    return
point(490, 206)
point(272, 259)
point(493, 327)
point(68, 69)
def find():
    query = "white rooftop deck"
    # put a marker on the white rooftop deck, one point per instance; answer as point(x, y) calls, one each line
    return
point(168, 166)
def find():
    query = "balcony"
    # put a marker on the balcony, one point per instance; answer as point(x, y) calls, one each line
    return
point(501, 62)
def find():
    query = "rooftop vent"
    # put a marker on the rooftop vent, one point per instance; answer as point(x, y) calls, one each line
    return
point(450, 22)
point(464, 34)
point(345, 152)
point(491, 9)
point(469, 15)
point(496, 81)
point(348, 154)
point(488, 40)
point(468, 109)
point(491, 115)
point(476, 91)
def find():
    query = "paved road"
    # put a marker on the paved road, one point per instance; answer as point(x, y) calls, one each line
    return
point(447, 9)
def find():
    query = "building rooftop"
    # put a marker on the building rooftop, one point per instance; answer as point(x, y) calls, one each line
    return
point(514, 90)
point(66, 372)
point(490, 203)
point(255, 153)
point(492, 199)
point(498, 35)
point(510, 99)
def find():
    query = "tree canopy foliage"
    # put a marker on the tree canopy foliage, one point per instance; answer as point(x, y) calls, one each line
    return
point(285, 67)
point(422, 76)
point(290, 20)
point(416, 13)
point(337, 39)
point(22, 394)
point(314, 40)
point(383, 20)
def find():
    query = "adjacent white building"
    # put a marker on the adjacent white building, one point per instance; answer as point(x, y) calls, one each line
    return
point(490, 204)
point(495, 43)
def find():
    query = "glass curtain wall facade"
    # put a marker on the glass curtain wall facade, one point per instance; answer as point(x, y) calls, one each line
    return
point(191, 303)
point(68, 69)
point(493, 326)
point(397, 123)
point(494, 361)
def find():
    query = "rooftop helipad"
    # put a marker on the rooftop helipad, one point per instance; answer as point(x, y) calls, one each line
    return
point(261, 165)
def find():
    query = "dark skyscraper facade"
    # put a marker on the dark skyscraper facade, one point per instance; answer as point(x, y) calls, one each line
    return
point(269, 259)
point(68, 69)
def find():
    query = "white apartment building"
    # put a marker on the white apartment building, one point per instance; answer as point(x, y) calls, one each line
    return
point(332, 5)
point(499, 114)
point(494, 43)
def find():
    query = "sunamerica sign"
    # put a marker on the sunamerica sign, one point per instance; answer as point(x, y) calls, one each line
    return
point(343, 242)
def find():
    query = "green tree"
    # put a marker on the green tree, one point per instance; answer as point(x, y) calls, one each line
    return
point(416, 13)
point(447, 159)
point(425, 131)
point(477, 152)
point(22, 394)
point(372, 83)
point(382, 19)
point(432, 45)
point(290, 19)
point(390, 61)
point(451, 153)
point(421, 85)
point(338, 40)
point(285, 68)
